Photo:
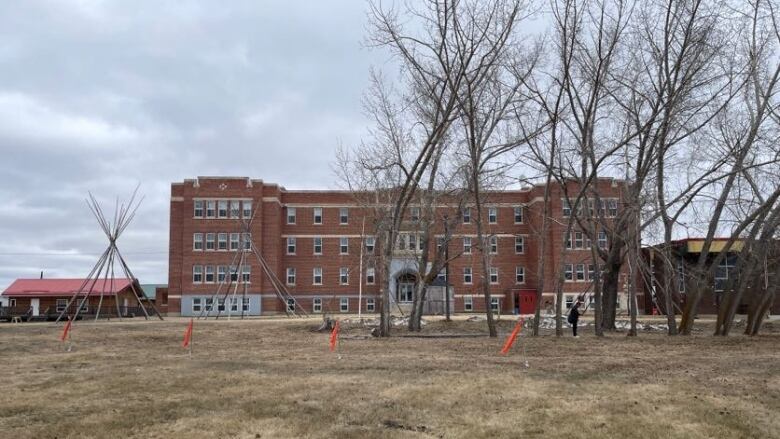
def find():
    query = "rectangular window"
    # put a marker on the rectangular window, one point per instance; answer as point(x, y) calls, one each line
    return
point(233, 273)
point(468, 303)
point(467, 277)
point(246, 274)
point(344, 245)
point(316, 305)
point(211, 209)
point(580, 272)
point(467, 215)
point(291, 305)
point(291, 215)
point(198, 209)
point(245, 304)
point(603, 239)
point(520, 275)
point(235, 208)
point(370, 244)
point(591, 273)
point(234, 304)
point(197, 241)
point(518, 215)
point(493, 275)
point(317, 215)
point(442, 274)
point(317, 245)
point(569, 302)
point(519, 245)
point(568, 272)
point(209, 304)
point(493, 245)
point(578, 241)
point(566, 208)
point(221, 273)
point(414, 213)
point(291, 276)
point(494, 304)
point(222, 241)
point(568, 241)
point(370, 305)
point(247, 210)
point(210, 241)
point(12, 303)
point(221, 304)
point(222, 209)
point(197, 274)
point(344, 304)
point(209, 274)
point(467, 245)
point(344, 276)
point(492, 215)
point(197, 304)
point(412, 241)
point(234, 240)
point(344, 215)
point(317, 276)
point(612, 207)
point(370, 276)
point(62, 304)
point(247, 240)
point(290, 245)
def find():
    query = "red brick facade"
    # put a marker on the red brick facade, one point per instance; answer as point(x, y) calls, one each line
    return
point(191, 214)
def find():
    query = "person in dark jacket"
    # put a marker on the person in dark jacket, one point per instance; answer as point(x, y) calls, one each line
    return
point(574, 316)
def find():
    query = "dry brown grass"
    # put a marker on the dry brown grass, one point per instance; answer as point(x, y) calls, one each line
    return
point(275, 378)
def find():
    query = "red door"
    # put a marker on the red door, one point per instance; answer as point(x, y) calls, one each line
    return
point(527, 302)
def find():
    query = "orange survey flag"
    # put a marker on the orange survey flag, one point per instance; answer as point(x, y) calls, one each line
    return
point(512, 337)
point(187, 335)
point(65, 330)
point(334, 336)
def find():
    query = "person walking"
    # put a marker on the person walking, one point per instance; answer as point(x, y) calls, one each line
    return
point(574, 316)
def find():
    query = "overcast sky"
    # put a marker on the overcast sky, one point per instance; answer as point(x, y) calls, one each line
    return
point(99, 96)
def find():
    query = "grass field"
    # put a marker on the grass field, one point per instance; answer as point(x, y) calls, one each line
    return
point(276, 378)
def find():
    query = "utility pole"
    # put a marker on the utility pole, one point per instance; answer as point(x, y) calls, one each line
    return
point(447, 271)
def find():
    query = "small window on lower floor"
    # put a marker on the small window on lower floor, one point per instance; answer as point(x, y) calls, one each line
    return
point(370, 305)
point(197, 304)
point(468, 303)
point(62, 304)
point(569, 302)
point(12, 303)
point(290, 305)
point(245, 304)
point(344, 304)
point(316, 305)
point(494, 304)
point(234, 304)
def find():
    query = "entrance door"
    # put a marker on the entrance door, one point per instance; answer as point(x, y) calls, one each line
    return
point(527, 302)
point(36, 305)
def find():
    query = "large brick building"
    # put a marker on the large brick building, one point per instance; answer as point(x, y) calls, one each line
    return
point(311, 241)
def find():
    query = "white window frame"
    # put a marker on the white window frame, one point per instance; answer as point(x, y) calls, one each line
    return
point(290, 276)
point(246, 209)
point(579, 272)
point(235, 241)
point(222, 209)
point(197, 274)
point(565, 208)
point(344, 304)
point(519, 275)
point(518, 212)
point(211, 242)
point(222, 273)
point(343, 245)
point(246, 274)
point(317, 216)
point(247, 240)
point(317, 245)
point(291, 245)
point(466, 245)
point(315, 273)
point(493, 241)
point(292, 216)
point(495, 304)
point(568, 272)
point(603, 240)
point(468, 303)
point(235, 209)
point(493, 275)
point(492, 215)
point(370, 275)
point(466, 215)
point(290, 304)
point(414, 214)
point(245, 304)
point(370, 304)
point(316, 305)
point(370, 244)
point(197, 242)
point(468, 276)
point(198, 207)
point(222, 242)
point(209, 271)
point(62, 305)
point(343, 216)
point(197, 304)
point(344, 276)
point(519, 245)
point(211, 208)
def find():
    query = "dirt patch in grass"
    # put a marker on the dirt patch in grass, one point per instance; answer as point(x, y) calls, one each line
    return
point(276, 378)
